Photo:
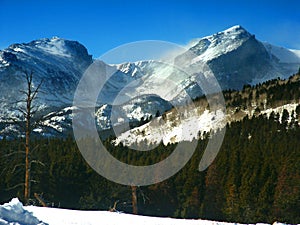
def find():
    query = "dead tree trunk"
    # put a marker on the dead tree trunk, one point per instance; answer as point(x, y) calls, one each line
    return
point(41, 201)
point(30, 94)
point(27, 143)
point(134, 200)
point(114, 208)
point(27, 171)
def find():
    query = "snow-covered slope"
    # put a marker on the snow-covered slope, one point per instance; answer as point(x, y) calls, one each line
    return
point(191, 124)
point(140, 108)
point(57, 62)
point(284, 55)
point(14, 213)
point(173, 129)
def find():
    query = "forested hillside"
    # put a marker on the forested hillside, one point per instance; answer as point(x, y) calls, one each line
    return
point(255, 177)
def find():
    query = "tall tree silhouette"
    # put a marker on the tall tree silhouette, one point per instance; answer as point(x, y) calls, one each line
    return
point(28, 110)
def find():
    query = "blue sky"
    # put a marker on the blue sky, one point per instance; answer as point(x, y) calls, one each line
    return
point(103, 25)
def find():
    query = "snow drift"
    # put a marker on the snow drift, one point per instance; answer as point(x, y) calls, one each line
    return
point(15, 213)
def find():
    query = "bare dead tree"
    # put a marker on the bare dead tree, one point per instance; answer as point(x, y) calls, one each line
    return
point(30, 95)
point(40, 199)
point(27, 120)
point(134, 200)
point(28, 111)
point(114, 208)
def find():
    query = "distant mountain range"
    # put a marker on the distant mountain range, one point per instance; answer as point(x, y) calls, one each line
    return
point(235, 57)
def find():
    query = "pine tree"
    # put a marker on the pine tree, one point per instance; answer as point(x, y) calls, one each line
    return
point(284, 118)
point(213, 199)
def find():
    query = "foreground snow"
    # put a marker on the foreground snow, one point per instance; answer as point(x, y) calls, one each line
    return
point(14, 213)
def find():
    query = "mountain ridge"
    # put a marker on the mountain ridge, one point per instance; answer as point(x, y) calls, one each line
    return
point(234, 55)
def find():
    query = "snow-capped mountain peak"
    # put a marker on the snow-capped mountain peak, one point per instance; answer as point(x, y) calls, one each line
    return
point(235, 28)
point(218, 44)
point(235, 32)
point(59, 63)
point(54, 46)
point(234, 56)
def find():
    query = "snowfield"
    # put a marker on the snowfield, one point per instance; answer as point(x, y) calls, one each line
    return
point(174, 130)
point(192, 125)
point(14, 213)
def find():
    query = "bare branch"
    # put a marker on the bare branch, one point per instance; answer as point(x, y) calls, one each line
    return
point(18, 101)
point(22, 110)
point(37, 162)
point(2, 172)
point(25, 93)
point(35, 148)
point(34, 181)
point(16, 166)
point(34, 110)
point(143, 195)
point(18, 185)
point(13, 153)
point(36, 90)
point(15, 121)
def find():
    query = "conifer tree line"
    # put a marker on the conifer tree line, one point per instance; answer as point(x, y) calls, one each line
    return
point(254, 178)
point(269, 94)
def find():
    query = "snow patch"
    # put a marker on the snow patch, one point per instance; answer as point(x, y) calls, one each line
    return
point(18, 49)
point(289, 107)
point(175, 130)
point(14, 213)
point(54, 47)
point(296, 52)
